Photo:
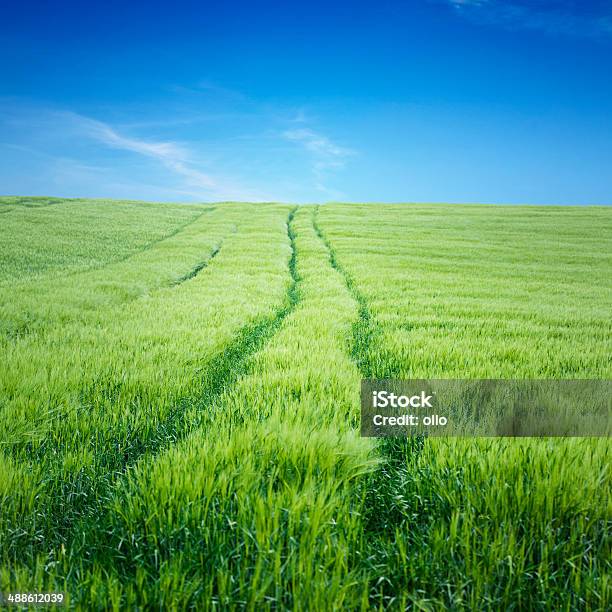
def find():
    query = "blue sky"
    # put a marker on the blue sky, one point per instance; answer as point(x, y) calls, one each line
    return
point(437, 100)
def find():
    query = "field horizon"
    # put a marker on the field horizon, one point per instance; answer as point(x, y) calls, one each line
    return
point(48, 198)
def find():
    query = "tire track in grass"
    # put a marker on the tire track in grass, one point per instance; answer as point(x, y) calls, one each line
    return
point(147, 247)
point(439, 535)
point(19, 331)
point(71, 522)
point(204, 263)
point(384, 491)
point(200, 266)
point(366, 331)
point(302, 439)
point(222, 373)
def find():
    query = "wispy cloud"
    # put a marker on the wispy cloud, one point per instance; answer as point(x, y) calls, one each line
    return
point(326, 154)
point(170, 154)
point(564, 17)
point(175, 157)
point(317, 143)
point(256, 152)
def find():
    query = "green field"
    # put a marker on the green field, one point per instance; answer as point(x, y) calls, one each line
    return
point(179, 405)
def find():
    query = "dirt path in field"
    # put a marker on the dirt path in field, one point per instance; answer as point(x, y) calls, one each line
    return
point(205, 262)
point(388, 482)
point(146, 247)
point(294, 407)
point(70, 521)
point(20, 330)
point(200, 266)
point(365, 329)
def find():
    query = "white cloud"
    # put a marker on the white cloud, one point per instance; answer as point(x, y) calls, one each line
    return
point(279, 158)
point(327, 155)
point(177, 158)
point(170, 154)
point(317, 143)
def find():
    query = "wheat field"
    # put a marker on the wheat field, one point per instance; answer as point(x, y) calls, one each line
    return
point(179, 405)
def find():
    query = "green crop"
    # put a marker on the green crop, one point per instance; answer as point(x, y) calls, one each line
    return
point(179, 405)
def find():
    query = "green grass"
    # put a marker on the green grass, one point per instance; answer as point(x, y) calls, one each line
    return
point(179, 405)
point(63, 237)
